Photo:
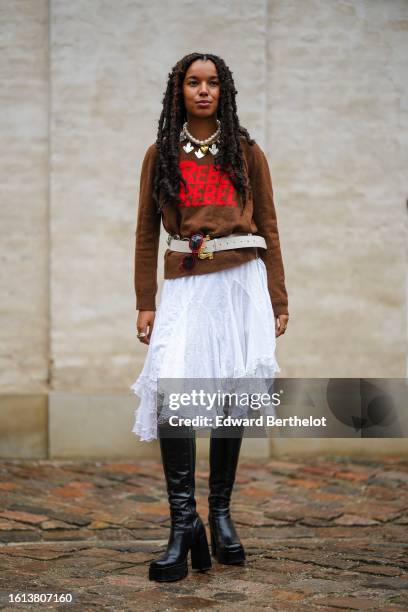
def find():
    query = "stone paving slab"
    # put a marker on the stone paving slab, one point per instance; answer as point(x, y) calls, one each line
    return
point(320, 534)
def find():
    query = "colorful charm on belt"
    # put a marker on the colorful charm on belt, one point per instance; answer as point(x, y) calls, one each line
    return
point(197, 246)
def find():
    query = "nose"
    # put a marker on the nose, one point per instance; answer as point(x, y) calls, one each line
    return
point(203, 88)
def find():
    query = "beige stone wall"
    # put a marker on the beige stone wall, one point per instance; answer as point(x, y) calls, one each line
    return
point(24, 276)
point(336, 132)
point(321, 86)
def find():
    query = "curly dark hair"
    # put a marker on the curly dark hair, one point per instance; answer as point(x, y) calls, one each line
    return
point(229, 159)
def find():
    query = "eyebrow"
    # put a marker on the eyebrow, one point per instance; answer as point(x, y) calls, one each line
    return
point(194, 76)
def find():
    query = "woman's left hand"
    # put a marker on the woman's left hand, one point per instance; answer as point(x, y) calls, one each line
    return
point(281, 323)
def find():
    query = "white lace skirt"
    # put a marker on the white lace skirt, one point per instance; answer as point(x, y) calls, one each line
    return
point(212, 326)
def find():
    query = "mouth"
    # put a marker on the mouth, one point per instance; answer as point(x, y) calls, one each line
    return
point(203, 103)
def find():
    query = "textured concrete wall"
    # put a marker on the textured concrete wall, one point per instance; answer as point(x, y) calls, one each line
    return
point(337, 112)
point(321, 86)
point(24, 195)
point(313, 85)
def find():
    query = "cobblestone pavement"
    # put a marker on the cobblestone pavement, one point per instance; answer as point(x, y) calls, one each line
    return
point(324, 534)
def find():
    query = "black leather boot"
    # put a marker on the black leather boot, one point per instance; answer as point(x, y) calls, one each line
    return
point(224, 453)
point(187, 532)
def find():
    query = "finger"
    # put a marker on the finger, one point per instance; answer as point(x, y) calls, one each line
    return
point(142, 330)
point(147, 330)
point(147, 337)
point(151, 326)
point(280, 326)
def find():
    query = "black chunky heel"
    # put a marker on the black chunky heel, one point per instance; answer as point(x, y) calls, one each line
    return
point(200, 553)
point(213, 543)
point(187, 532)
point(226, 546)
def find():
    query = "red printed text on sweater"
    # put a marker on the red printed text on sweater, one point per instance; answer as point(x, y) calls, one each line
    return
point(206, 186)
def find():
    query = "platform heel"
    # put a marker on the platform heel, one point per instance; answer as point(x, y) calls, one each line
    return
point(200, 552)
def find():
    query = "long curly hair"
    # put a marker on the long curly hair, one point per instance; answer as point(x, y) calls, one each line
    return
point(229, 159)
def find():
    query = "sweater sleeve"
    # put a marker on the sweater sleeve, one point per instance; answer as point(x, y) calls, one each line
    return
point(147, 237)
point(266, 222)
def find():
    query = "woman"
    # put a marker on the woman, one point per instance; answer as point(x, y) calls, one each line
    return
point(223, 300)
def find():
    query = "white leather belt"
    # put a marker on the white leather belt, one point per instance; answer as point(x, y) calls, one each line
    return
point(224, 243)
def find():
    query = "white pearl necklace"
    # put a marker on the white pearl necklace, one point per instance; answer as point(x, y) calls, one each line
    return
point(207, 140)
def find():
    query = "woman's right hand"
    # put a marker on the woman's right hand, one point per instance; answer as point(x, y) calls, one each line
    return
point(145, 321)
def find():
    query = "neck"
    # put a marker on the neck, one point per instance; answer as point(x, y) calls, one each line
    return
point(201, 128)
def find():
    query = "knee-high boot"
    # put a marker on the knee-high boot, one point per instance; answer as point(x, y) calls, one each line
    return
point(187, 532)
point(224, 453)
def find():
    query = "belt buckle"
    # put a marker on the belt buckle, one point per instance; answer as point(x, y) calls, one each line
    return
point(202, 253)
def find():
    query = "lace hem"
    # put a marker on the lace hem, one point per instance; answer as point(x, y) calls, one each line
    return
point(145, 388)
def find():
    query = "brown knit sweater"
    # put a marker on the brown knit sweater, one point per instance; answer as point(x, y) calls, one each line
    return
point(211, 205)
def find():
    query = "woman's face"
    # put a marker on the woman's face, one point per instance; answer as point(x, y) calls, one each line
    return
point(201, 89)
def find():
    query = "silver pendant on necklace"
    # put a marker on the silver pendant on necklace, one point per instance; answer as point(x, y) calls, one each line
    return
point(188, 147)
point(202, 150)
